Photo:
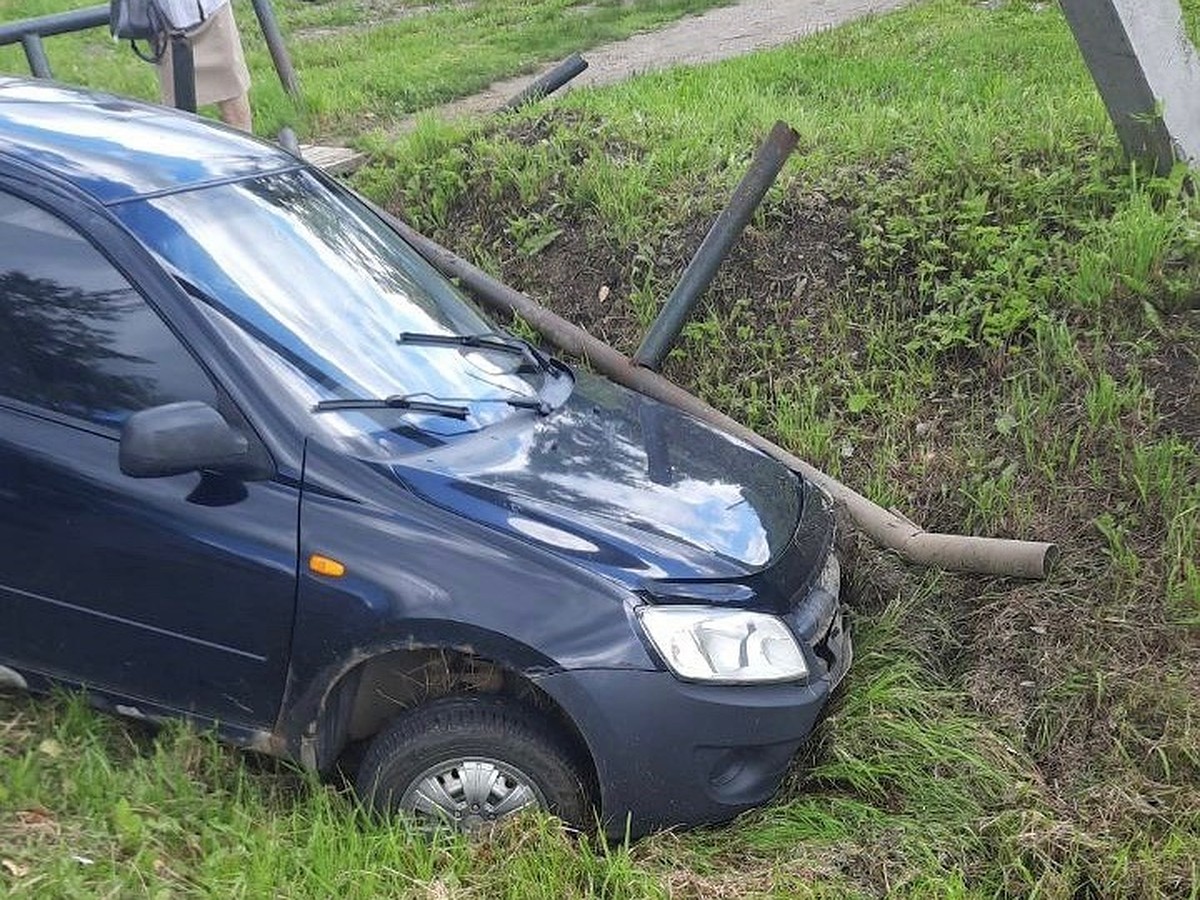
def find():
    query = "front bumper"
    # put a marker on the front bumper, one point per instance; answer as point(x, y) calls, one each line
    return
point(671, 753)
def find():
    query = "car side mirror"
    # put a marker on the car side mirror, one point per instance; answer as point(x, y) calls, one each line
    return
point(178, 438)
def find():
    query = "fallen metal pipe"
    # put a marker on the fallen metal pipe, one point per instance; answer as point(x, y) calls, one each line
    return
point(988, 556)
point(726, 229)
point(550, 82)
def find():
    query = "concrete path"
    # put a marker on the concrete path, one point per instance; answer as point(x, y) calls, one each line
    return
point(713, 35)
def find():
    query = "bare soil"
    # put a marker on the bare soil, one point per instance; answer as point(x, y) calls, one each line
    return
point(787, 264)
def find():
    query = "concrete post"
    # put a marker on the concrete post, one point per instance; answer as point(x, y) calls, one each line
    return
point(1148, 74)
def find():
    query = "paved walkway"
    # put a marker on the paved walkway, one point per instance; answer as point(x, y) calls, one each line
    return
point(713, 35)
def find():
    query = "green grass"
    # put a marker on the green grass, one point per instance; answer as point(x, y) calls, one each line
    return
point(103, 809)
point(365, 64)
point(958, 297)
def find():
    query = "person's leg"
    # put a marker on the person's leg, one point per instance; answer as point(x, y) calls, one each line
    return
point(236, 112)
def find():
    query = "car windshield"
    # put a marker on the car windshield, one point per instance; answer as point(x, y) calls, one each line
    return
point(324, 291)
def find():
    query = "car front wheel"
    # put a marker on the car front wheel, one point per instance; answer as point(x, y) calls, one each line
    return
point(470, 761)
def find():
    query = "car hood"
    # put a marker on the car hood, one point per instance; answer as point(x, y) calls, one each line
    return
point(620, 482)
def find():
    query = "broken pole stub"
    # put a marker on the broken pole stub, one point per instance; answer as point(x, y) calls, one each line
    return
point(1148, 74)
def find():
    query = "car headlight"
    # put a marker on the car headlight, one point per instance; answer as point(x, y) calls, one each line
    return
point(704, 643)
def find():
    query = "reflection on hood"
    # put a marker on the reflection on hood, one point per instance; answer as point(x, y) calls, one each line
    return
point(622, 480)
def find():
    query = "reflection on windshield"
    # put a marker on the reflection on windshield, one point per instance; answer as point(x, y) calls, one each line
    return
point(324, 290)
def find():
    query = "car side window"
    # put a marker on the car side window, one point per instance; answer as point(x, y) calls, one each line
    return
point(75, 336)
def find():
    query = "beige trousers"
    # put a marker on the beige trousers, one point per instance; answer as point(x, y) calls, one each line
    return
point(221, 72)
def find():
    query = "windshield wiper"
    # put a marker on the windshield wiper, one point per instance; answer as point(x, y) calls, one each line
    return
point(541, 407)
point(396, 401)
point(503, 343)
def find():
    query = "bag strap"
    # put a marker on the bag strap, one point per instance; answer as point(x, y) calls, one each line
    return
point(157, 43)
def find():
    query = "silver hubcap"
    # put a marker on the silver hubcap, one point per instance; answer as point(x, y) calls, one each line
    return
point(470, 793)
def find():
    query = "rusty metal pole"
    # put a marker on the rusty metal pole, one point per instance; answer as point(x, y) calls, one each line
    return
point(728, 227)
point(958, 552)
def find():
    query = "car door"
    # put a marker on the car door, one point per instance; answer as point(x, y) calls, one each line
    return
point(175, 591)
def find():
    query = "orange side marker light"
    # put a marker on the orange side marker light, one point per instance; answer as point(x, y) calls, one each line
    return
point(324, 565)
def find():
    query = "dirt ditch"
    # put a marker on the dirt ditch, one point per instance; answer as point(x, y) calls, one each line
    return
point(792, 269)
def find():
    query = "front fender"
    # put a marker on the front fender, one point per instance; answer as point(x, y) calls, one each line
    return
point(416, 575)
point(314, 721)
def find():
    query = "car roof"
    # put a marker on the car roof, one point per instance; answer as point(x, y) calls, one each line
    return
point(115, 149)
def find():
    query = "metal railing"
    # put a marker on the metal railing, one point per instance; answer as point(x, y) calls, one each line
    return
point(29, 33)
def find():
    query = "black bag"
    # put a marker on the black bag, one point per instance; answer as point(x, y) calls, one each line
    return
point(135, 20)
point(139, 20)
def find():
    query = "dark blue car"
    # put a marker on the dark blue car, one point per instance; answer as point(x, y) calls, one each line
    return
point(264, 469)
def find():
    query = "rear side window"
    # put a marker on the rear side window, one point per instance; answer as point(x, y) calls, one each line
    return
point(75, 336)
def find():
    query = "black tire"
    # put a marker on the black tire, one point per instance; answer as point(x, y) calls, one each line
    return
point(472, 731)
